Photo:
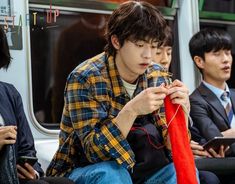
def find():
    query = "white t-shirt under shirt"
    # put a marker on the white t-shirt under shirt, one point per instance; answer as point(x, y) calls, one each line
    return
point(130, 88)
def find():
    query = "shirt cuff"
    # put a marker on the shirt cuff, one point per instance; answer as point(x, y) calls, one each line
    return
point(37, 174)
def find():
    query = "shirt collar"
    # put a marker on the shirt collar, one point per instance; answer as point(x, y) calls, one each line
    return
point(217, 91)
point(117, 84)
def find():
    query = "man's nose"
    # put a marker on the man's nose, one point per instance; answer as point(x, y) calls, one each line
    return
point(226, 57)
point(147, 52)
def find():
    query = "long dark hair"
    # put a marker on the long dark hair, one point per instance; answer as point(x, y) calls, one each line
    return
point(5, 57)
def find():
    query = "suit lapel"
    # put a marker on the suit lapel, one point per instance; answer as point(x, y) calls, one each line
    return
point(232, 93)
point(212, 99)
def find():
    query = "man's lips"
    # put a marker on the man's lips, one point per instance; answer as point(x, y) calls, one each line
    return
point(226, 68)
point(144, 64)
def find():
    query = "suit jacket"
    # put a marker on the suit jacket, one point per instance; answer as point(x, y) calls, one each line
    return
point(12, 112)
point(208, 114)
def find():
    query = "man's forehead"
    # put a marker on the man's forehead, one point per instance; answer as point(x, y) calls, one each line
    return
point(151, 41)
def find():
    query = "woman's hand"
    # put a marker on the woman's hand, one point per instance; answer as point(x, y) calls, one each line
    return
point(26, 171)
point(7, 135)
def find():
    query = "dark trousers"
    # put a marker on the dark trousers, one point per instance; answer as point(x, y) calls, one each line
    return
point(48, 180)
point(207, 177)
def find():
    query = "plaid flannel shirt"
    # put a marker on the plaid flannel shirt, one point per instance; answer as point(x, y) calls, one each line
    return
point(94, 95)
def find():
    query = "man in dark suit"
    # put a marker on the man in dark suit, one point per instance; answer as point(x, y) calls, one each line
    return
point(212, 103)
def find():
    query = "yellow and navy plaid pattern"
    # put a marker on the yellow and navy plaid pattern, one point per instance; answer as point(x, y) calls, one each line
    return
point(94, 95)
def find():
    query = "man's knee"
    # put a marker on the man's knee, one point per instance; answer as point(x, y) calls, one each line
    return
point(207, 177)
point(110, 171)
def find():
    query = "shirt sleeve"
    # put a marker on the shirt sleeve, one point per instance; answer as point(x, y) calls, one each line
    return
point(200, 113)
point(95, 127)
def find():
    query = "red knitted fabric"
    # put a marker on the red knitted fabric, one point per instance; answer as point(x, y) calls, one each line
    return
point(181, 152)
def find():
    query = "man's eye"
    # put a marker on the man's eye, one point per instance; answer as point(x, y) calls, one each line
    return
point(228, 52)
point(216, 53)
point(139, 45)
point(154, 46)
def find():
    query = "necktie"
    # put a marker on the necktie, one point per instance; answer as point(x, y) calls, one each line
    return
point(228, 107)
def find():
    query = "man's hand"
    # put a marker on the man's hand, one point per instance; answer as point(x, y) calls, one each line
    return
point(220, 153)
point(198, 150)
point(229, 133)
point(179, 94)
point(145, 102)
point(148, 100)
point(7, 135)
point(26, 172)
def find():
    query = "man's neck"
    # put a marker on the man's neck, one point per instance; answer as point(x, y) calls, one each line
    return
point(218, 84)
point(124, 73)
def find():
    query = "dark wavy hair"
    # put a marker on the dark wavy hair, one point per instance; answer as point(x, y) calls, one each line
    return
point(169, 39)
point(5, 57)
point(208, 40)
point(135, 21)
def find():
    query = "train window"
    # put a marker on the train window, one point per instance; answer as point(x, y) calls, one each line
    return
point(217, 9)
point(74, 38)
point(227, 6)
point(60, 40)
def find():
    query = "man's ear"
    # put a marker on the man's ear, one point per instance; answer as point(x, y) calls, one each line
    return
point(115, 42)
point(199, 62)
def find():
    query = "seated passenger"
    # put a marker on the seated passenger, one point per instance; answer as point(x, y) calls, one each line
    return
point(163, 57)
point(212, 103)
point(107, 94)
point(15, 135)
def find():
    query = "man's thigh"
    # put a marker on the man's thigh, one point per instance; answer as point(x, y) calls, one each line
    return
point(101, 173)
point(166, 175)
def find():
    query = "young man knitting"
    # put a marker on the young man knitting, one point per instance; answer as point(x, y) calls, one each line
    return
point(105, 96)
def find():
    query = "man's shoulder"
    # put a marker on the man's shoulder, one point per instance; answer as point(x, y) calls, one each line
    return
point(93, 67)
point(232, 90)
point(6, 85)
point(7, 88)
point(196, 94)
point(154, 67)
point(159, 74)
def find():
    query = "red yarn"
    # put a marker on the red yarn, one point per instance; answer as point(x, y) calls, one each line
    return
point(181, 152)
